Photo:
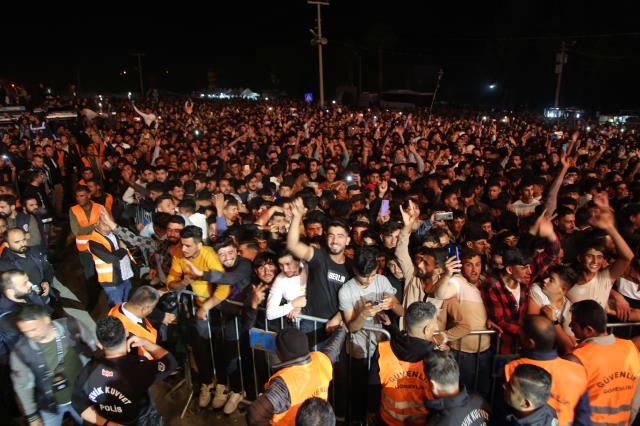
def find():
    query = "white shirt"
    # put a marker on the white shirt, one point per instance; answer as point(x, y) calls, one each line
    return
point(131, 316)
point(283, 288)
point(515, 292)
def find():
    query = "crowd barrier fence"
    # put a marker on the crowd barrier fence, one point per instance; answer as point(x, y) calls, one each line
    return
point(261, 343)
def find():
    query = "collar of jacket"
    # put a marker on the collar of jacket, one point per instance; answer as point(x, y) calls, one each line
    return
point(448, 402)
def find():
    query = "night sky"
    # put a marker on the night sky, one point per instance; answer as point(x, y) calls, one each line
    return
point(267, 46)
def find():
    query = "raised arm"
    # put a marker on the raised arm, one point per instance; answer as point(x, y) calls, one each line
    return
point(294, 245)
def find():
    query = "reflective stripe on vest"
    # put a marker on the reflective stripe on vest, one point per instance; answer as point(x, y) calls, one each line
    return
point(104, 269)
point(567, 387)
point(612, 374)
point(303, 382)
point(147, 332)
point(82, 241)
point(405, 387)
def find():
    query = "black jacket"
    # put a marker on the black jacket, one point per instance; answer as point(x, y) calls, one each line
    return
point(465, 408)
point(543, 416)
point(35, 264)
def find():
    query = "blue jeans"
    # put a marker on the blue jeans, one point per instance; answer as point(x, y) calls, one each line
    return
point(117, 293)
point(55, 419)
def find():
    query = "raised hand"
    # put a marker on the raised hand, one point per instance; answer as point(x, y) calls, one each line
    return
point(192, 269)
point(452, 266)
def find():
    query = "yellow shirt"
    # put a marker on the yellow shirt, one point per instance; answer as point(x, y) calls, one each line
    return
point(206, 261)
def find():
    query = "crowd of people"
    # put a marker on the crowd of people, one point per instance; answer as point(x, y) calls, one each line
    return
point(454, 269)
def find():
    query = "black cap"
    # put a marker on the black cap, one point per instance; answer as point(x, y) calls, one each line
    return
point(514, 257)
point(475, 233)
point(291, 343)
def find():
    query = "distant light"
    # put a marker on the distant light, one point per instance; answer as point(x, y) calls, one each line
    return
point(588, 129)
point(100, 104)
point(167, 72)
point(492, 86)
point(375, 117)
point(622, 130)
point(578, 115)
point(124, 72)
point(484, 118)
point(129, 95)
point(202, 95)
point(100, 97)
point(333, 102)
point(197, 132)
point(49, 90)
point(270, 108)
point(505, 119)
point(266, 99)
point(400, 112)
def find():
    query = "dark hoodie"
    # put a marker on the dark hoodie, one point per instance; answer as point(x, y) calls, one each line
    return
point(405, 348)
point(464, 408)
point(543, 416)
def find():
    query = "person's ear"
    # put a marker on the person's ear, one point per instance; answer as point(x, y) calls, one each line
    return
point(509, 269)
point(469, 244)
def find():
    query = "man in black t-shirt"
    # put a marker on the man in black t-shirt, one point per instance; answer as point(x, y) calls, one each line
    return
point(328, 271)
point(115, 389)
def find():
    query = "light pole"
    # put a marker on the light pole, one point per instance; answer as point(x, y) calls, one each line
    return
point(435, 92)
point(319, 41)
point(140, 55)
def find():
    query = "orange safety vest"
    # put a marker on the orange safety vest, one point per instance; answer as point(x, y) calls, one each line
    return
point(2, 247)
point(60, 162)
point(405, 387)
point(612, 377)
point(108, 203)
point(304, 382)
point(147, 332)
point(103, 269)
point(82, 241)
point(567, 387)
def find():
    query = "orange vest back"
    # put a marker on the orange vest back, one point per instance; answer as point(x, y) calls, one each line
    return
point(567, 387)
point(405, 387)
point(304, 382)
point(612, 375)
point(2, 247)
point(82, 241)
point(147, 332)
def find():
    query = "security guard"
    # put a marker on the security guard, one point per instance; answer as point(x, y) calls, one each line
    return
point(133, 315)
point(404, 384)
point(569, 395)
point(612, 365)
point(302, 375)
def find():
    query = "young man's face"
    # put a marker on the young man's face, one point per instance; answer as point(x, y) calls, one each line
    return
point(337, 239)
point(289, 266)
point(190, 248)
point(592, 260)
point(472, 268)
point(228, 256)
point(390, 241)
point(31, 206)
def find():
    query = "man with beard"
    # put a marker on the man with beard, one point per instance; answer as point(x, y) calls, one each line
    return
point(16, 292)
point(18, 219)
point(230, 285)
point(28, 259)
point(328, 271)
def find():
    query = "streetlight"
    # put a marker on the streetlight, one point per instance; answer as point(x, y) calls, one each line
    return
point(492, 86)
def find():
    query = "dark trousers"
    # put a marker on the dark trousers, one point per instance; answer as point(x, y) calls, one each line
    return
point(91, 279)
point(469, 363)
point(201, 341)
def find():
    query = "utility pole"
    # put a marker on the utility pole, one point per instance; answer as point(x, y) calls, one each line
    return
point(140, 55)
point(561, 59)
point(435, 92)
point(319, 41)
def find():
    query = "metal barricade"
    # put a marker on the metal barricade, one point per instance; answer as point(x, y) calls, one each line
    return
point(615, 326)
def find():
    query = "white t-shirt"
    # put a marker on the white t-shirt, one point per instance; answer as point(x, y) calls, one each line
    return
point(598, 289)
point(563, 313)
point(515, 292)
point(287, 288)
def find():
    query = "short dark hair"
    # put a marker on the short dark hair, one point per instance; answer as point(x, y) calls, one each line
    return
point(589, 313)
point(110, 332)
point(31, 312)
point(144, 295)
point(442, 368)
point(339, 224)
point(541, 330)
point(467, 253)
point(535, 383)
point(176, 218)
point(188, 204)
point(265, 258)
point(80, 188)
point(8, 198)
point(223, 242)
point(418, 313)
point(366, 261)
point(192, 231)
point(6, 280)
point(315, 412)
